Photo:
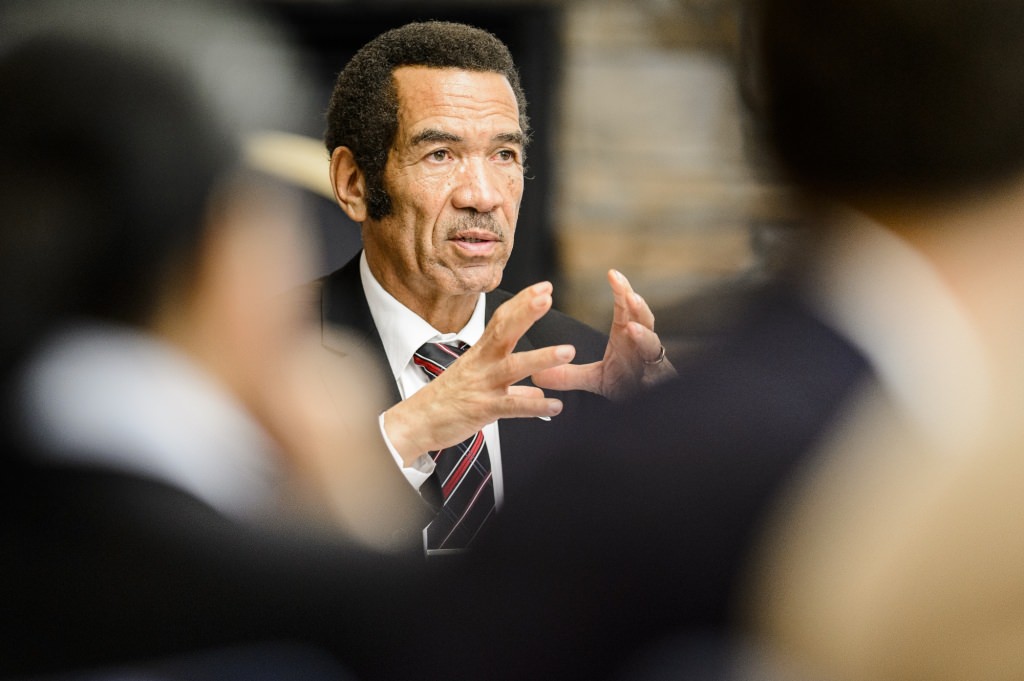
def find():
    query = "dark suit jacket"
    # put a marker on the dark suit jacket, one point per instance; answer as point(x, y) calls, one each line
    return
point(101, 568)
point(642, 527)
point(341, 303)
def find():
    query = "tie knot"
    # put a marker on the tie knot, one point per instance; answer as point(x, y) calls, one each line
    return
point(434, 358)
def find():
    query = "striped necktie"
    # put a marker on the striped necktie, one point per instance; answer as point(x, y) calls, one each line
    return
point(463, 471)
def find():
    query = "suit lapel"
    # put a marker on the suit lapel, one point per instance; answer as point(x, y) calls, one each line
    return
point(346, 322)
point(345, 319)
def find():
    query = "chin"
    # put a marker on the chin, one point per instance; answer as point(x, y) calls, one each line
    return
point(477, 282)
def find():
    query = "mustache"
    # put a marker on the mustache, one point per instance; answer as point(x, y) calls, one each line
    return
point(480, 222)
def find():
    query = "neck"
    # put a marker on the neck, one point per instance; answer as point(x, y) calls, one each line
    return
point(445, 312)
point(449, 314)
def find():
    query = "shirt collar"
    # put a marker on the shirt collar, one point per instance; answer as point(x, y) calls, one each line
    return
point(401, 330)
point(119, 398)
point(888, 299)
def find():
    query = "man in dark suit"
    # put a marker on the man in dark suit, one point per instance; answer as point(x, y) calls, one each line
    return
point(427, 131)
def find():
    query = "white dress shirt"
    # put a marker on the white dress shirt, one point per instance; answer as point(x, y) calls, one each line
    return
point(121, 399)
point(402, 332)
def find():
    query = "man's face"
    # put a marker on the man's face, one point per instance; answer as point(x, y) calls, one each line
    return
point(455, 176)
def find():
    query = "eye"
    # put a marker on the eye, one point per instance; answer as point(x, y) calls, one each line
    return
point(439, 155)
point(506, 155)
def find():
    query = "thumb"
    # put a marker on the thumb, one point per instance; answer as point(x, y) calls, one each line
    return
point(570, 377)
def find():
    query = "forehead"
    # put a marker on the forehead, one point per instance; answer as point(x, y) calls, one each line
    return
point(447, 98)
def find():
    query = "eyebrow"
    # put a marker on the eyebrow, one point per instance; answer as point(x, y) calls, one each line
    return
point(511, 138)
point(431, 135)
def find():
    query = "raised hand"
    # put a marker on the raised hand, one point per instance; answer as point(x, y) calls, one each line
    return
point(478, 388)
point(634, 358)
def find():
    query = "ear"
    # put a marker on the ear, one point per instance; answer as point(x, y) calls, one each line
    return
point(349, 184)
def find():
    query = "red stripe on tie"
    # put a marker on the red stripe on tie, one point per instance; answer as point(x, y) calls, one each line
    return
point(430, 367)
point(448, 349)
point(467, 461)
point(465, 512)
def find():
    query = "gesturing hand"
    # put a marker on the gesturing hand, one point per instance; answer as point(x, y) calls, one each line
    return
point(478, 388)
point(634, 357)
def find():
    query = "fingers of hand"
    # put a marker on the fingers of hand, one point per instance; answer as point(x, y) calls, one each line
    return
point(513, 318)
point(525, 391)
point(570, 377)
point(621, 294)
point(480, 390)
point(523, 401)
point(656, 366)
point(640, 311)
point(648, 345)
point(619, 282)
point(634, 307)
point(519, 365)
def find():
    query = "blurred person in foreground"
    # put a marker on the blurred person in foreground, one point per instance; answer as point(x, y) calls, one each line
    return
point(889, 348)
point(157, 421)
point(427, 132)
point(898, 555)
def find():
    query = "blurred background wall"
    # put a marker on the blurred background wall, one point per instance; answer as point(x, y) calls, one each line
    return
point(638, 159)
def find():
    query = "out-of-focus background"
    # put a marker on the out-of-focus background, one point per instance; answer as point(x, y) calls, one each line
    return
point(638, 160)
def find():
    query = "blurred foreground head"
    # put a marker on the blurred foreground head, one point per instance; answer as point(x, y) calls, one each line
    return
point(886, 100)
point(127, 200)
point(109, 162)
point(892, 559)
point(121, 178)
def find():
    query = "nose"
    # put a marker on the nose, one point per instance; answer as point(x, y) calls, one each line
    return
point(479, 186)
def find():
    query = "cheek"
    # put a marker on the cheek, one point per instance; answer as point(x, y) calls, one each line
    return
point(515, 194)
point(514, 187)
point(425, 212)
